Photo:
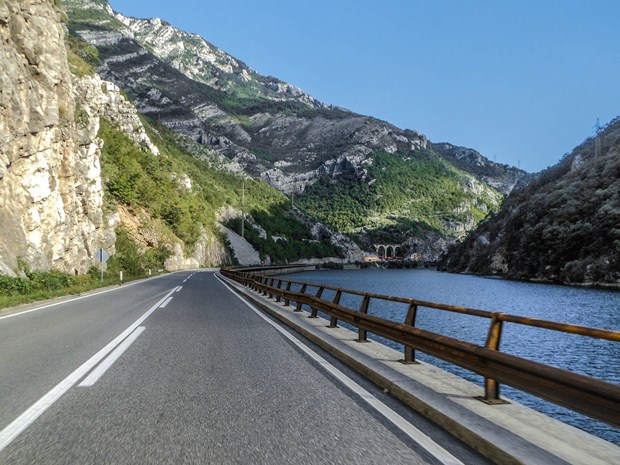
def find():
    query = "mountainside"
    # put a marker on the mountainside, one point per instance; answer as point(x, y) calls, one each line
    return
point(80, 170)
point(503, 178)
point(563, 227)
point(278, 133)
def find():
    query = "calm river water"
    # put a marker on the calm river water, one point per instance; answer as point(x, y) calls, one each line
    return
point(587, 307)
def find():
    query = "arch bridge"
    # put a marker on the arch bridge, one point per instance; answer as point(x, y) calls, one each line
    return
point(389, 251)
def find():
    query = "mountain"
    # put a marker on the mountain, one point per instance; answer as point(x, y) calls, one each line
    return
point(563, 227)
point(355, 173)
point(81, 169)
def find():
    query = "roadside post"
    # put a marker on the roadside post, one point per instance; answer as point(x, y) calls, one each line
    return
point(102, 257)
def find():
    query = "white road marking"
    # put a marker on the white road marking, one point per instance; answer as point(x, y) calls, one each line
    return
point(166, 302)
point(98, 372)
point(414, 433)
point(179, 288)
point(125, 286)
point(35, 410)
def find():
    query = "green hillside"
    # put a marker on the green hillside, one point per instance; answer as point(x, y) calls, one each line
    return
point(563, 227)
point(400, 196)
point(151, 184)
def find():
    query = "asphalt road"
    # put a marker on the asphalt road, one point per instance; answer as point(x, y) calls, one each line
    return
point(203, 380)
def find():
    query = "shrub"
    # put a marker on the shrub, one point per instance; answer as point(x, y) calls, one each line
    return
point(10, 285)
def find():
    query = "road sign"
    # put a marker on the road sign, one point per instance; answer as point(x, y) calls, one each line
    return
point(102, 255)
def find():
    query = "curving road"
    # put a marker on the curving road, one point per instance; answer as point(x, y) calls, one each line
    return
point(154, 373)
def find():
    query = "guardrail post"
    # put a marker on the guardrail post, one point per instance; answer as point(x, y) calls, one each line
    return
point(410, 321)
point(362, 334)
point(491, 387)
point(333, 321)
point(263, 281)
point(288, 288)
point(319, 293)
point(271, 285)
point(303, 291)
point(279, 286)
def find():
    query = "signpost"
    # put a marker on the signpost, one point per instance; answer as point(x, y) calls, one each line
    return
point(102, 257)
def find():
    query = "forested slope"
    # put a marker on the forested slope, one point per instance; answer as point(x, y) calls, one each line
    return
point(563, 227)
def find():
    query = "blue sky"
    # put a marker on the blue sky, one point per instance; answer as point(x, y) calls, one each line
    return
point(523, 82)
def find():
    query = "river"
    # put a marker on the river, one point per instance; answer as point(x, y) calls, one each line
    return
point(581, 306)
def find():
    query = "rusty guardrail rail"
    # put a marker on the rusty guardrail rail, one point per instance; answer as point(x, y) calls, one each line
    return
point(589, 396)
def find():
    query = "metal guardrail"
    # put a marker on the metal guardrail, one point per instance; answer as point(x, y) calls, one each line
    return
point(589, 396)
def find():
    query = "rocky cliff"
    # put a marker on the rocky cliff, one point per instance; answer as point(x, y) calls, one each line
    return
point(502, 178)
point(50, 184)
point(562, 227)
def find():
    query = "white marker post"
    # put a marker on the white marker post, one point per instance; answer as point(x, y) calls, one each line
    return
point(121, 277)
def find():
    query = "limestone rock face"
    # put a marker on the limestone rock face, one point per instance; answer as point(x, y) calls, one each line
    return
point(50, 190)
point(51, 194)
point(503, 178)
point(203, 62)
point(99, 98)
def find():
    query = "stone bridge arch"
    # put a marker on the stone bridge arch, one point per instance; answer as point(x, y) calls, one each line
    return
point(388, 251)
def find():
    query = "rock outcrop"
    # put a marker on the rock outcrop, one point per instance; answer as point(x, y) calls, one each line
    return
point(51, 192)
point(503, 178)
point(50, 181)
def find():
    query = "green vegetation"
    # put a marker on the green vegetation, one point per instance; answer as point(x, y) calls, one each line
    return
point(130, 259)
point(138, 179)
point(292, 239)
point(92, 17)
point(564, 226)
point(40, 285)
point(43, 285)
point(142, 181)
point(83, 58)
point(414, 194)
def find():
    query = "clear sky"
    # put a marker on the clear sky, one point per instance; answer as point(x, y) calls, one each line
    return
point(521, 81)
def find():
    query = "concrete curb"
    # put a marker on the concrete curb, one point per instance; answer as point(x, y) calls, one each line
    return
point(505, 434)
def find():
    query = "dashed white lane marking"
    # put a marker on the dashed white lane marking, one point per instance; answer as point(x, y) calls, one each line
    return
point(98, 372)
point(179, 288)
point(165, 302)
point(414, 433)
point(35, 410)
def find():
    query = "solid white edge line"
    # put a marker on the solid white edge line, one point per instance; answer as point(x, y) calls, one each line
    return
point(166, 302)
point(98, 372)
point(414, 433)
point(10, 432)
point(124, 286)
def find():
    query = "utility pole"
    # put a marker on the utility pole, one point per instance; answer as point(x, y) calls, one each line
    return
point(243, 209)
point(597, 138)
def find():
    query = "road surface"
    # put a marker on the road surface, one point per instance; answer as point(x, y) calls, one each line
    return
point(180, 370)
